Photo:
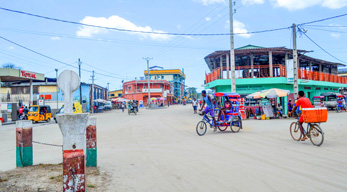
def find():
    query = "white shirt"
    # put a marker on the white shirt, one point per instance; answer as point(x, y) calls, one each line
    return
point(195, 103)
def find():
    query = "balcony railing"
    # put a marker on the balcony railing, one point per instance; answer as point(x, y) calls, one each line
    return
point(278, 71)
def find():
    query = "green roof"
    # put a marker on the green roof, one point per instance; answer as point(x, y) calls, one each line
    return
point(250, 47)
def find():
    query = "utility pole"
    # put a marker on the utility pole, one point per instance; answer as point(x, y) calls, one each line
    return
point(295, 63)
point(79, 68)
point(108, 89)
point(93, 92)
point(56, 76)
point(232, 52)
point(148, 77)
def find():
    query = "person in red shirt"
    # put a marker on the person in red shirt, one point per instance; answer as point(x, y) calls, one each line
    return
point(304, 103)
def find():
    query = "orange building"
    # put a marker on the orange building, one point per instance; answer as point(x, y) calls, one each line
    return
point(138, 90)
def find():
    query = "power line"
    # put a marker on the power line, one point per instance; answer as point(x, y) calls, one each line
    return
point(135, 31)
point(336, 26)
point(43, 55)
point(313, 28)
point(325, 19)
point(304, 33)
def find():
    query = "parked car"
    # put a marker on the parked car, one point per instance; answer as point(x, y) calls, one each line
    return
point(108, 105)
point(330, 100)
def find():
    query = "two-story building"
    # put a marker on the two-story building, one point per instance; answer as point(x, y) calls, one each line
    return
point(174, 76)
point(138, 90)
point(259, 68)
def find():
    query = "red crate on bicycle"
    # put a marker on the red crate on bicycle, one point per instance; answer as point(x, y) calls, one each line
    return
point(315, 115)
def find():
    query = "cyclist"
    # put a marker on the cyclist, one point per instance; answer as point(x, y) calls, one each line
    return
point(303, 102)
point(209, 108)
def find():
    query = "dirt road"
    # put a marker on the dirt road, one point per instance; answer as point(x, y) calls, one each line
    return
point(159, 150)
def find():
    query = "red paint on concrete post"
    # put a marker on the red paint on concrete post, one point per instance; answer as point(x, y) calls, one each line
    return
point(24, 137)
point(74, 178)
point(91, 136)
point(24, 145)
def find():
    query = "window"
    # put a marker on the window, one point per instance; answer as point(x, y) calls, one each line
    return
point(112, 95)
point(129, 88)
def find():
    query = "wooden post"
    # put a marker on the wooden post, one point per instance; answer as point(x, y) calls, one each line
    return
point(270, 63)
point(221, 67)
point(227, 61)
point(252, 66)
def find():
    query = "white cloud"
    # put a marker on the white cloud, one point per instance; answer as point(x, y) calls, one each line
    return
point(208, 2)
point(208, 18)
point(251, 2)
point(239, 27)
point(336, 35)
point(334, 4)
point(55, 38)
point(179, 26)
point(302, 4)
point(10, 47)
point(116, 22)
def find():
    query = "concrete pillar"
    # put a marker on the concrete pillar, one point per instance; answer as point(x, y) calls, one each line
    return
point(310, 66)
point(73, 127)
point(31, 93)
point(91, 147)
point(285, 57)
point(0, 102)
point(270, 64)
point(24, 143)
point(221, 67)
point(252, 66)
point(227, 62)
point(320, 68)
point(214, 64)
point(285, 102)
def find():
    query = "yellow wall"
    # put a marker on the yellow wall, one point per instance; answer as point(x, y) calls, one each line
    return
point(168, 71)
point(47, 89)
point(115, 93)
point(5, 90)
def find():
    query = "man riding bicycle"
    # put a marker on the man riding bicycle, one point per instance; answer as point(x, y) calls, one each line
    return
point(208, 108)
point(302, 102)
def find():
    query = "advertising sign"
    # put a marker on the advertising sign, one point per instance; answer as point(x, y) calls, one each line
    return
point(290, 71)
point(28, 75)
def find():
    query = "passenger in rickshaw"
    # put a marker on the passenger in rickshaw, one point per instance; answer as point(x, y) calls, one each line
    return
point(209, 107)
point(224, 110)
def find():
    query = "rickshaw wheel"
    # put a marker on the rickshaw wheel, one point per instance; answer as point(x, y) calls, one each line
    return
point(48, 120)
point(235, 124)
point(222, 129)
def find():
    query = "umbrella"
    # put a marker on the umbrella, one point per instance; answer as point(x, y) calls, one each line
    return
point(273, 93)
point(255, 95)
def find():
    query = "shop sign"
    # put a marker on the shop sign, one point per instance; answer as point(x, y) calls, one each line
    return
point(29, 75)
point(252, 88)
point(290, 71)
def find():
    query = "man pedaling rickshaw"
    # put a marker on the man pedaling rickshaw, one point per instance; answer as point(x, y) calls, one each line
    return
point(209, 108)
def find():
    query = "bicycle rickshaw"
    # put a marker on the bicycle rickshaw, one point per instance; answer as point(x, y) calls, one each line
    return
point(340, 103)
point(226, 107)
point(131, 108)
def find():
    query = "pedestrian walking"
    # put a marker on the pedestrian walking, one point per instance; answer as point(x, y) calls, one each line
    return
point(123, 106)
point(195, 105)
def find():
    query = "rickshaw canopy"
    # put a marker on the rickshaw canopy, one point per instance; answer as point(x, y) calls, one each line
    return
point(220, 94)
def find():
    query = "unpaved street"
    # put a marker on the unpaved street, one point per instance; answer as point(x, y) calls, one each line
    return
point(159, 150)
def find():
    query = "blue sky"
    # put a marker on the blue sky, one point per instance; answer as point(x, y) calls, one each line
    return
point(120, 54)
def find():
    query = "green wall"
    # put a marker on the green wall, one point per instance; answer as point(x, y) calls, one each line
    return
point(248, 86)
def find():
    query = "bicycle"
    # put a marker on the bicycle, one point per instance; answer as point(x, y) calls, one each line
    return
point(313, 131)
point(234, 123)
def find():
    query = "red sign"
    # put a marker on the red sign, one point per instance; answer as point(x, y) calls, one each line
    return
point(28, 75)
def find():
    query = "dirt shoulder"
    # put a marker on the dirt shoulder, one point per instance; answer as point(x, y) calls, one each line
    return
point(47, 177)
